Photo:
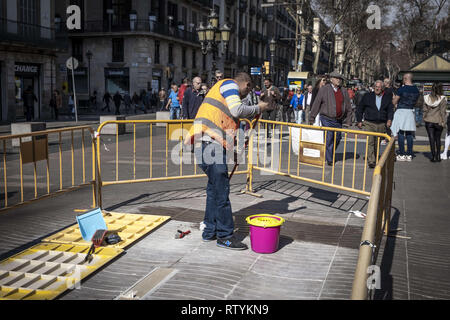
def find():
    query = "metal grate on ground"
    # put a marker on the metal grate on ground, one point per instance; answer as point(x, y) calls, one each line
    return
point(130, 227)
point(46, 270)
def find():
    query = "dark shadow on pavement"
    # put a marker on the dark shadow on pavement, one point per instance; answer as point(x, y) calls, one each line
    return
point(387, 286)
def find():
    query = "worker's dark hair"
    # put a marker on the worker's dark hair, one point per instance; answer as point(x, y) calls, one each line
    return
point(243, 77)
point(268, 79)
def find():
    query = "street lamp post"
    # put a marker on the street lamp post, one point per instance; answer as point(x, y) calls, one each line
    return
point(89, 57)
point(272, 48)
point(211, 35)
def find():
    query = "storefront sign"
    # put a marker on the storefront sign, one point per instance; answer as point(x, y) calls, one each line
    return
point(26, 68)
point(117, 72)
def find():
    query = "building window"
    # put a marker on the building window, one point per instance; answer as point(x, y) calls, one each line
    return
point(183, 57)
point(28, 15)
point(121, 15)
point(117, 50)
point(77, 49)
point(194, 18)
point(172, 10)
point(194, 59)
point(170, 53)
point(157, 51)
point(204, 61)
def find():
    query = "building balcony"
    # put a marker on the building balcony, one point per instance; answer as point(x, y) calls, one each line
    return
point(255, 61)
point(30, 35)
point(138, 26)
point(243, 6)
point(230, 57)
point(242, 33)
point(259, 14)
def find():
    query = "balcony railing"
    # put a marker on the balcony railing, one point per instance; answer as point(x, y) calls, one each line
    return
point(243, 6)
point(31, 35)
point(255, 61)
point(138, 26)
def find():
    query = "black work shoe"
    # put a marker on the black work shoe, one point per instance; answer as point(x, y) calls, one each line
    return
point(209, 239)
point(330, 163)
point(372, 165)
point(232, 244)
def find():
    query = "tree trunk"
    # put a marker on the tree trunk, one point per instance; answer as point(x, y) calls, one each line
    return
point(316, 57)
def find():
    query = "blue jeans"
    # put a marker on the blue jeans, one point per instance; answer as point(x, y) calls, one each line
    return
point(174, 113)
point(419, 115)
point(327, 122)
point(218, 215)
point(409, 142)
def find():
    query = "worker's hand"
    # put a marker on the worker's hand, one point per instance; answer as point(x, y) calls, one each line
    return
point(359, 125)
point(389, 123)
point(264, 106)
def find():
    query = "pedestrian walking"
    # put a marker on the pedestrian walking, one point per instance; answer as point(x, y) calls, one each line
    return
point(378, 111)
point(117, 101)
point(93, 101)
point(307, 102)
point(135, 101)
point(213, 134)
point(297, 105)
point(127, 102)
point(270, 92)
point(418, 111)
point(106, 99)
point(29, 98)
point(182, 90)
point(174, 103)
point(404, 124)
point(444, 155)
point(193, 98)
point(148, 100)
point(286, 103)
point(434, 115)
point(333, 104)
point(162, 99)
point(56, 103)
point(143, 100)
point(71, 105)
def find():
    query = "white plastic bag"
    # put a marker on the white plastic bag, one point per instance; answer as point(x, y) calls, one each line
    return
point(308, 135)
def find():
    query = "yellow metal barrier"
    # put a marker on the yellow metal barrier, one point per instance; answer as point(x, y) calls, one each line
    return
point(309, 163)
point(161, 139)
point(28, 159)
point(377, 220)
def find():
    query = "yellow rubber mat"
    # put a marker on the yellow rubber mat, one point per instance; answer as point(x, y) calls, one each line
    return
point(46, 270)
point(130, 227)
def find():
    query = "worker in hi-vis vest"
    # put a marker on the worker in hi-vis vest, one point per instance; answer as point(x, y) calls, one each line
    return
point(213, 134)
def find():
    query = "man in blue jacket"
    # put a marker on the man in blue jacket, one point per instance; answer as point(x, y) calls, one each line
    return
point(377, 110)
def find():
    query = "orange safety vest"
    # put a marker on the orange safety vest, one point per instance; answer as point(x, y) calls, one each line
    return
point(214, 119)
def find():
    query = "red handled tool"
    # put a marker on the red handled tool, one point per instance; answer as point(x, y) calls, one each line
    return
point(180, 234)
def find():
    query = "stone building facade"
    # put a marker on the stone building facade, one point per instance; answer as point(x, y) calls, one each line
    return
point(135, 45)
point(27, 57)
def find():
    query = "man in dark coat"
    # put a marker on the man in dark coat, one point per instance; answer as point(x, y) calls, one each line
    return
point(117, 101)
point(378, 111)
point(28, 102)
point(193, 98)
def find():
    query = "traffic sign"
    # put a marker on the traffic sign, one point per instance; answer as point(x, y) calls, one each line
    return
point(255, 71)
point(72, 63)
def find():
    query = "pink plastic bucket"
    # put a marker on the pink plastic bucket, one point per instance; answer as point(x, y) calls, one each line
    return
point(265, 232)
